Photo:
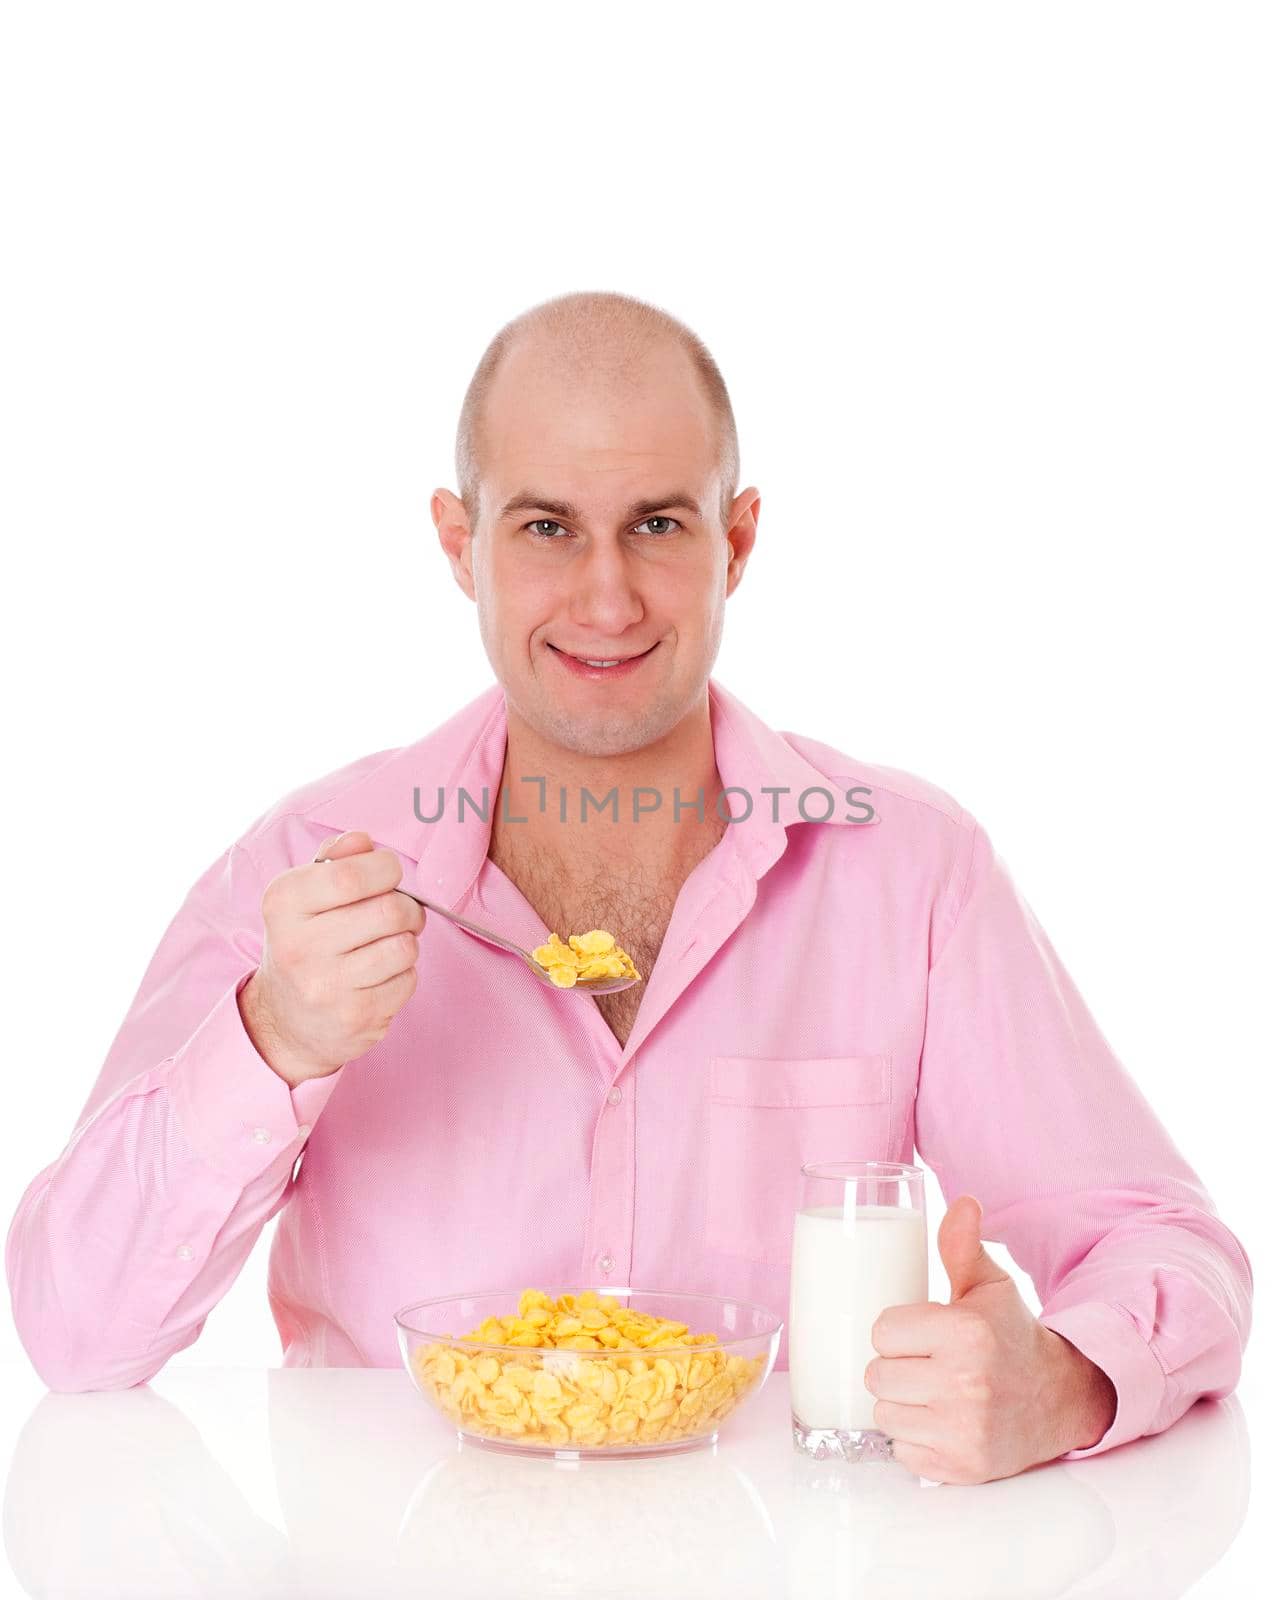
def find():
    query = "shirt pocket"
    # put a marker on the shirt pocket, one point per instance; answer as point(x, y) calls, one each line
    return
point(766, 1117)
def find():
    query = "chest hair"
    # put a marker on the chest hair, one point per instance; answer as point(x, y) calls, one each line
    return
point(632, 899)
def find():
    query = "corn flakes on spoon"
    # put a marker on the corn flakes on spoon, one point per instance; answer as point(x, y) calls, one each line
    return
point(593, 961)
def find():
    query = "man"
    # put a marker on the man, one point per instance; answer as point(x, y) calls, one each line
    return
point(843, 970)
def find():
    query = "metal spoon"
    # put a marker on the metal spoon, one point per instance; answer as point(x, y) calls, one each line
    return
point(590, 985)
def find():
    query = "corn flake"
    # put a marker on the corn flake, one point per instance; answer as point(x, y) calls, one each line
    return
point(627, 1397)
point(586, 956)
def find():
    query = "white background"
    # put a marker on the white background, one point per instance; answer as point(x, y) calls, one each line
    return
point(993, 289)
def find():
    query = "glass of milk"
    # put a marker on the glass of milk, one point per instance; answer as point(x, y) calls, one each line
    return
point(859, 1246)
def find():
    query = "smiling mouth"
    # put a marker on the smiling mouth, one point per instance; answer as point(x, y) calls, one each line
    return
point(600, 661)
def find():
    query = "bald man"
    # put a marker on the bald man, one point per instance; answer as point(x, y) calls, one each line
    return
point(597, 521)
point(467, 1127)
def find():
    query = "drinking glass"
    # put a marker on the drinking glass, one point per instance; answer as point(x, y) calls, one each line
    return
point(859, 1246)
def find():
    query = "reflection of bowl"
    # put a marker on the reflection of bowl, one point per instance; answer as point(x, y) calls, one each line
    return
point(563, 1402)
point(485, 1525)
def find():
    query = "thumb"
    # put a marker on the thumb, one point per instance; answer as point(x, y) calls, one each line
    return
point(352, 843)
point(960, 1246)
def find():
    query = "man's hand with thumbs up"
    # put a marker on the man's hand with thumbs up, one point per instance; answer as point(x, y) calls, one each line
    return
point(980, 1389)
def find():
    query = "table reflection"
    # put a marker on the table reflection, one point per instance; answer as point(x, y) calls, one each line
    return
point(118, 1493)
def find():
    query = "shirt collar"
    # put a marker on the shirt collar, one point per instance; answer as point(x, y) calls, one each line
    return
point(395, 801)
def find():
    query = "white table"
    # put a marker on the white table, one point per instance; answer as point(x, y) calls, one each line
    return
point(343, 1482)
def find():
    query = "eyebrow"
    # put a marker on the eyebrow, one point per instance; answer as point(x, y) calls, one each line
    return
point(530, 500)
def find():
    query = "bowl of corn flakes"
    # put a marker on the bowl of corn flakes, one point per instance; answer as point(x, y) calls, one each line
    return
point(587, 1371)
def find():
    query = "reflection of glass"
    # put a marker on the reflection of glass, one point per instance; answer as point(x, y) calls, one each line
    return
point(859, 1246)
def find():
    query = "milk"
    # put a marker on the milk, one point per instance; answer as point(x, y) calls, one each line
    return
point(844, 1272)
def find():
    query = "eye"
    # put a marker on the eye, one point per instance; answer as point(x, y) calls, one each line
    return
point(546, 529)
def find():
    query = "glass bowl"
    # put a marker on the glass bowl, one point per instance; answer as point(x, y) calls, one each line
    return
point(564, 1402)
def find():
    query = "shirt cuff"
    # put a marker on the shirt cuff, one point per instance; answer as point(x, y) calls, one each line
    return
point(1107, 1336)
point(234, 1110)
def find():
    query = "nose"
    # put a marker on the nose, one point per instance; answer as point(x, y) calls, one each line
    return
point(604, 599)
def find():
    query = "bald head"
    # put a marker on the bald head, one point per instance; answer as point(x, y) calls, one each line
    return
point(598, 342)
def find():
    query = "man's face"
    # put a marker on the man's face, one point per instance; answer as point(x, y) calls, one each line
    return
point(582, 548)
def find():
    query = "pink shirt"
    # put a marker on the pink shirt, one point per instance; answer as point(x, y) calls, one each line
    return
point(827, 989)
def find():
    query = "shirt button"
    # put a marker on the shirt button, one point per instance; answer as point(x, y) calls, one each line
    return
point(184, 1252)
point(304, 1130)
point(615, 1094)
point(606, 1263)
point(261, 1135)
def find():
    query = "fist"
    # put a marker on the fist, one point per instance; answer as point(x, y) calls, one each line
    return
point(339, 959)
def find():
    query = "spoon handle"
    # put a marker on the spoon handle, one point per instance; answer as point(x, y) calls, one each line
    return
point(471, 927)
